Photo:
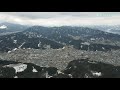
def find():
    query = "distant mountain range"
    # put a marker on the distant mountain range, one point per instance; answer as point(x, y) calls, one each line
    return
point(111, 29)
point(8, 28)
point(39, 37)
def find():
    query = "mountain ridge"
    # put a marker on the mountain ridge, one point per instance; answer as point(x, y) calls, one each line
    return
point(78, 37)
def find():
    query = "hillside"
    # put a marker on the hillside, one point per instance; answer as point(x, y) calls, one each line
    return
point(8, 28)
point(76, 69)
point(38, 37)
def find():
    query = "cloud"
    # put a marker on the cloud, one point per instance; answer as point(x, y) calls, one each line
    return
point(34, 15)
point(61, 18)
point(3, 27)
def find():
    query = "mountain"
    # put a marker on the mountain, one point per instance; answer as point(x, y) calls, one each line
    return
point(59, 52)
point(11, 69)
point(75, 33)
point(76, 69)
point(39, 37)
point(7, 28)
point(91, 69)
point(20, 40)
point(111, 29)
point(79, 37)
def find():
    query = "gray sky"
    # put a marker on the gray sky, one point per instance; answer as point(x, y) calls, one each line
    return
point(61, 18)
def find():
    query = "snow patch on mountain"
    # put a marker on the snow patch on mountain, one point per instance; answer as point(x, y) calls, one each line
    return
point(18, 67)
point(3, 27)
point(34, 70)
point(21, 45)
point(96, 73)
point(39, 44)
point(59, 72)
point(9, 51)
point(15, 41)
point(14, 49)
point(85, 43)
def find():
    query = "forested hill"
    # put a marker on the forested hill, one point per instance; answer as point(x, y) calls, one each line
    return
point(39, 37)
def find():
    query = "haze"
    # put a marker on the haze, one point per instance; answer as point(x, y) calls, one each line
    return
point(61, 18)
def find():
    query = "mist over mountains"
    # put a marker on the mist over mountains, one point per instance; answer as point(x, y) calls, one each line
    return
point(7, 28)
point(108, 28)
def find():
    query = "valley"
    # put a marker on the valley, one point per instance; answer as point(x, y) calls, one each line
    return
point(57, 47)
point(60, 58)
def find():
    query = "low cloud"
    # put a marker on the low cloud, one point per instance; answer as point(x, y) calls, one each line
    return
point(61, 18)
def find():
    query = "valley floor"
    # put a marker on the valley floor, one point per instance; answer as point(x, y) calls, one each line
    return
point(60, 58)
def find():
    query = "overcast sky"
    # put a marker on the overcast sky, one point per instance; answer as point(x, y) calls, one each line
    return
point(61, 18)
